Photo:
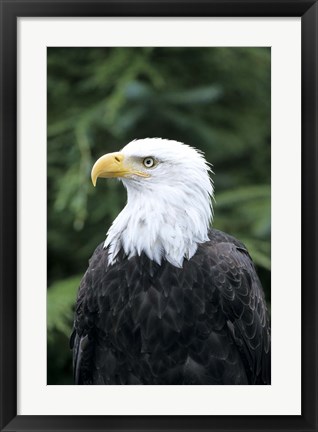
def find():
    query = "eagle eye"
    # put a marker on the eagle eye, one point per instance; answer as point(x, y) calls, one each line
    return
point(148, 162)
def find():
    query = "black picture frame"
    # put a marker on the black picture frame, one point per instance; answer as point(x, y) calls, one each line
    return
point(10, 11)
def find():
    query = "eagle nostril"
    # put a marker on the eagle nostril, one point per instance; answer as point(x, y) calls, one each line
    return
point(117, 159)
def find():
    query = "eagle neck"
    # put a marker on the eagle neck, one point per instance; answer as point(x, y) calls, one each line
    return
point(167, 225)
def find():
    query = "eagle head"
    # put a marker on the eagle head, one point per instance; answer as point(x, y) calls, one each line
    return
point(169, 191)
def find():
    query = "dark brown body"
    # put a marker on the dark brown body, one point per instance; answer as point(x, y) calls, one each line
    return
point(140, 323)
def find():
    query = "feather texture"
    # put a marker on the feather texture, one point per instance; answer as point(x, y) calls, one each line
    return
point(168, 213)
point(138, 322)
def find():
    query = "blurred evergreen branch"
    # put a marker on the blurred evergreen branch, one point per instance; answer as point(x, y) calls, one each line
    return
point(245, 213)
point(60, 300)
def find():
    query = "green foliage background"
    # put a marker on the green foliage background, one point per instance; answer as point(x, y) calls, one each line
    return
point(99, 99)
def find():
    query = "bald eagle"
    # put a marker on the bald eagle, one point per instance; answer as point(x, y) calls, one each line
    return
point(166, 299)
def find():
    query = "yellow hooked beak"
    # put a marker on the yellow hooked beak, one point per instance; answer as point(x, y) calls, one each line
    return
point(113, 165)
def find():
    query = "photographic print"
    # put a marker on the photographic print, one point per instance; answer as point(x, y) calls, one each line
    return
point(129, 132)
point(159, 219)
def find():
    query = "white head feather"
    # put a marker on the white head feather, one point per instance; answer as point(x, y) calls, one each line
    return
point(168, 213)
